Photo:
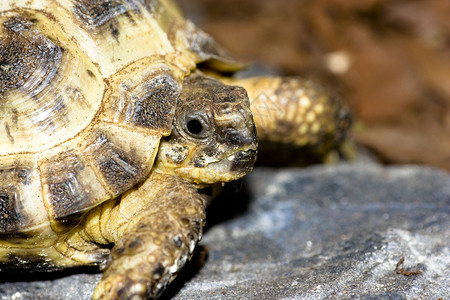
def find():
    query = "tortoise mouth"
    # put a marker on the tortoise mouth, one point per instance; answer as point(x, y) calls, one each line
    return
point(239, 163)
point(242, 161)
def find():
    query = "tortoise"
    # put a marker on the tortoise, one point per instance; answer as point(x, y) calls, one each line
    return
point(115, 116)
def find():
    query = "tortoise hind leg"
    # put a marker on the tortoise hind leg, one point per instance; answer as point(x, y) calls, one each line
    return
point(295, 111)
point(154, 228)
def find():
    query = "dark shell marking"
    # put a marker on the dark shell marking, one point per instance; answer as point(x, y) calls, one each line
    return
point(12, 216)
point(108, 163)
point(154, 103)
point(100, 14)
point(146, 99)
point(120, 170)
point(28, 59)
point(41, 93)
point(68, 192)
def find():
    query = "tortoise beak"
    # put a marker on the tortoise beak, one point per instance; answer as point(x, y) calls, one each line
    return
point(243, 161)
point(236, 165)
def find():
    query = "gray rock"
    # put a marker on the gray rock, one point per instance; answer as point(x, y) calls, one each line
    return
point(322, 232)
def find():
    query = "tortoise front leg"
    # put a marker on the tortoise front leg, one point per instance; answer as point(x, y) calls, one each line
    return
point(292, 110)
point(154, 228)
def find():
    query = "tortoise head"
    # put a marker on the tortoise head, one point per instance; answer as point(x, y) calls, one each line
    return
point(213, 136)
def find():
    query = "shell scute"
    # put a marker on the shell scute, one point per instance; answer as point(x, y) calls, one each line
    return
point(70, 184)
point(121, 156)
point(45, 99)
point(154, 104)
point(100, 12)
point(143, 96)
point(21, 205)
point(30, 59)
point(117, 168)
point(11, 218)
point(113, 33)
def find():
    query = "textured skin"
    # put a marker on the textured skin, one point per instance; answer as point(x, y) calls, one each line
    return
point(161, 222)
point(108, 131)
point(295, 111)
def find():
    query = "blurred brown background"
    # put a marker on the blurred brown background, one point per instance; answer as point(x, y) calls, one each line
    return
point(389, 59)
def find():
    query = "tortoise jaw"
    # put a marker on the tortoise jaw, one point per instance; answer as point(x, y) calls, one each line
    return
point(242, 161)
point(235, 165)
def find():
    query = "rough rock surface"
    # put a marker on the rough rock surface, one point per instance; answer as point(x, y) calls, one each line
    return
point(322, 232)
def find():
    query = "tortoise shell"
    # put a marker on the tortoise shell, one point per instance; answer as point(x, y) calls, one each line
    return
point(87, 90)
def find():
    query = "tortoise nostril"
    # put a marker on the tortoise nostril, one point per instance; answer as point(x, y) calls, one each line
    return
point(235, 137)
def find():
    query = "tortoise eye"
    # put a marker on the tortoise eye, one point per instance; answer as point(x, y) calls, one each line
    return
point(196, 125)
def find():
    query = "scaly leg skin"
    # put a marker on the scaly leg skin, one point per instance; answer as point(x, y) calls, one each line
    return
point(154, 228)
point(295, 111)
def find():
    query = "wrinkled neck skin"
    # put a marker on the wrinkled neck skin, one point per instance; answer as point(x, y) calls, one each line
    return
point(213, 136)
